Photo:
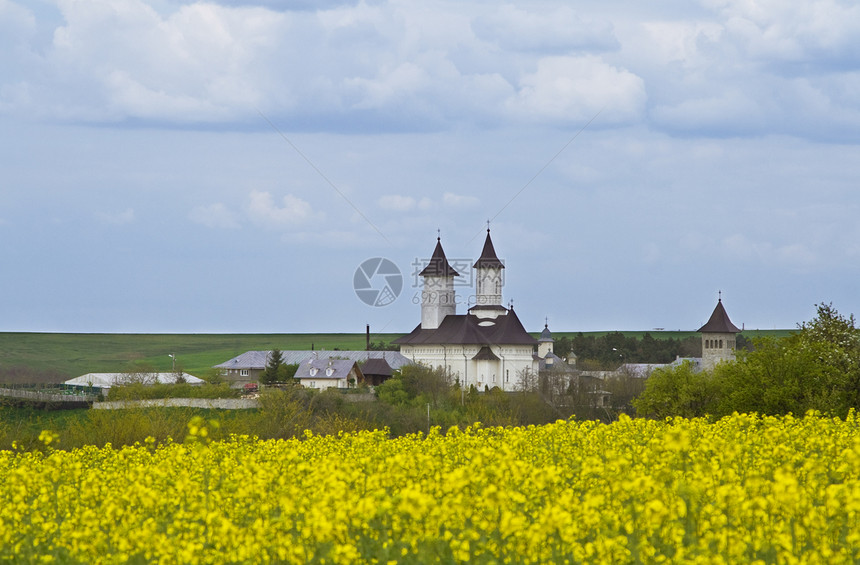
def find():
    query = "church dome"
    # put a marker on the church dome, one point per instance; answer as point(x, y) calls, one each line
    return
point(545, 335)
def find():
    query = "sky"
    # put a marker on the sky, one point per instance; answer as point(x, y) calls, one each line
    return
point(172, 166)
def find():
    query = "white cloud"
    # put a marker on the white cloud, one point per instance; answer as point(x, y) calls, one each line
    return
point(215, 215)
point(294, 211)
point(452, 200)
point(575, 88)
point(785, 31)
point(396, 202)
point(120, 218)
point(732, 67)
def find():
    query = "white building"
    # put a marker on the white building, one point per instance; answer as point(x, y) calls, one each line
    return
point(328, 373)
point(102, 382)
point(486, 347)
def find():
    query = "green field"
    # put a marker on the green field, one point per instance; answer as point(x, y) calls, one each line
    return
point(69, 355)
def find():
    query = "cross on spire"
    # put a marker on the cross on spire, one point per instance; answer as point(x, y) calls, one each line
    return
point(488, 226)
point(720, 296)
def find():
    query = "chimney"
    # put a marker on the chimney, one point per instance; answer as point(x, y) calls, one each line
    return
point(367, 340)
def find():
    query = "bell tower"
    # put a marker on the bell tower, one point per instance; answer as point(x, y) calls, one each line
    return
point(437, 297)
point(718, 337)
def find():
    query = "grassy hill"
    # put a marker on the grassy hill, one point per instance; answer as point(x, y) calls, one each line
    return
point(70, 355)
point(62, 356)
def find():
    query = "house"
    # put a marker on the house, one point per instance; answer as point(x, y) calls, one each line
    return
point(247, 367)
point(101, 382)
point(486, 347)
point(376, 371)
point(329, 373)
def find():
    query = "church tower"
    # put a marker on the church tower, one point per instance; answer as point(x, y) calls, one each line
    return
point(488, 282)
point(718, 338)
point(437, 296)
point(545, 342)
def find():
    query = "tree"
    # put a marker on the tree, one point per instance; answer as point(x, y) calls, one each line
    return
point(430, 385)
point(818, 368)
point(287, 373)
point(273, 363)
point(677, 391)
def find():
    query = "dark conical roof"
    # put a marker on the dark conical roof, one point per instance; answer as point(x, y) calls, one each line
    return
point(438, 265)
point(546, 335)
point(488, 255)
point(719, 322)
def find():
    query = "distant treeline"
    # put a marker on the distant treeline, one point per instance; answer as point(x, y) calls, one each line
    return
point(614, 348)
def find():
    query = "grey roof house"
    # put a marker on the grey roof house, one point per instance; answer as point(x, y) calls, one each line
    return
point(248, 366)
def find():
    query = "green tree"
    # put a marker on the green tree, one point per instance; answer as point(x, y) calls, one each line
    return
point(273, 363)
point(677, 391)
point(287, 373)
point(818, 368)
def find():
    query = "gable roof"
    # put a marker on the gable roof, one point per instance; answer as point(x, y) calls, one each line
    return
point(258, 359)
point(335, 369)
point(377, 367)
point(107, 380)
point(488, 255)
point(438, 265)
point(719, 321)
point(485, 354)
point(468, 329)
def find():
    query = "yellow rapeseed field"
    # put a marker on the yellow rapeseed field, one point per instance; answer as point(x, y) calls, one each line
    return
point(745, 489)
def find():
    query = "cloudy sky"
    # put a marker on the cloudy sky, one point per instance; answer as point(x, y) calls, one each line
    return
point(178, 166)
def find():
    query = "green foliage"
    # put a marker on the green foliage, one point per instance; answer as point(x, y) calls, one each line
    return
point(426, 385)
point(817, 368)
point(393, 392)
point(287, 373)
point(609, 350)
point(273, 363)
point(677, 391)
point(382, 345)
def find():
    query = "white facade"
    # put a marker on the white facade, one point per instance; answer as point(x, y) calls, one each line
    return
point(488, 286)
point(485, 348)
point(437, 301)
point(505, 373)
point(717, 348)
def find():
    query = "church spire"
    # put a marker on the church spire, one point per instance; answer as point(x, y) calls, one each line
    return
point(438, 265)
point(488, 257)
point(437, 297)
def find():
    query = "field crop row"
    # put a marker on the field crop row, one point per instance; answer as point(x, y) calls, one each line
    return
point(745, 489)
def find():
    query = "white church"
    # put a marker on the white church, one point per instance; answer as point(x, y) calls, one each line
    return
point(486, 347)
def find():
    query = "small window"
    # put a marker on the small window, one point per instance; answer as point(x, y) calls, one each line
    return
point(243, 372)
